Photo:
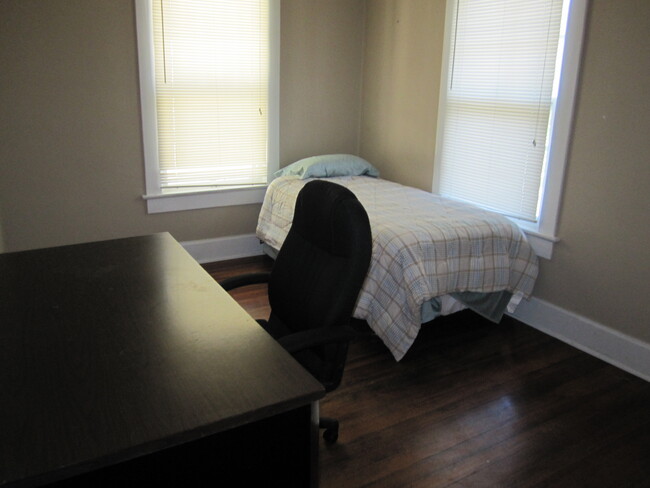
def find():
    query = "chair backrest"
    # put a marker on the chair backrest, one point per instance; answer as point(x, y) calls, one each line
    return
point(319, 271)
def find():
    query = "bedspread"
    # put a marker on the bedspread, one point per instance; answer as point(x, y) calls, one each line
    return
point(424, 246)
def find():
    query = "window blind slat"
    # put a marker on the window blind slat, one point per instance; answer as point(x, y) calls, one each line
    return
point(211, 74)
point(499, 97)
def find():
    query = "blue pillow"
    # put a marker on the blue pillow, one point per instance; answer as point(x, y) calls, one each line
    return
point(329, 165)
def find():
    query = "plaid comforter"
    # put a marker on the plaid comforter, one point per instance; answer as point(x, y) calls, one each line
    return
point(424, 246)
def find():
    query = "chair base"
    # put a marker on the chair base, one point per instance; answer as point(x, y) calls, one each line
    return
point(331, 427)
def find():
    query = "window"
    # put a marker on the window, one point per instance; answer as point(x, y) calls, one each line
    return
point(506, 104)
point(209, 94)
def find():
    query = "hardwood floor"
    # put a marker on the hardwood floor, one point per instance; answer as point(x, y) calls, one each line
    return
point(477, 404)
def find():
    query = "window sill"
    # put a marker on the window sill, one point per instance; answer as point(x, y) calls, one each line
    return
point(542, 244)
point(177, 201)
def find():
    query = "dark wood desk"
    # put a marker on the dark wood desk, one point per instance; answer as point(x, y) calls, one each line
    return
point(124, 362)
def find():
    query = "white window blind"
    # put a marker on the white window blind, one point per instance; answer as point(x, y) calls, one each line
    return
point(211, 63)
point(497, 103)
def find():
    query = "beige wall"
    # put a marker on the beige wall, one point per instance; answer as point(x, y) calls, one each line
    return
point(322, 53)
point(601, 265)
point(401, 80)
point(71, 163)
point(71, 155)
point(600, 268)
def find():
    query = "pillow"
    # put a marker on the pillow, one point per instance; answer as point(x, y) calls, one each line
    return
point(329, 165)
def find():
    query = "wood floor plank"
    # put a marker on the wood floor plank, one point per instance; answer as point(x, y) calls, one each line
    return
point(477, 404)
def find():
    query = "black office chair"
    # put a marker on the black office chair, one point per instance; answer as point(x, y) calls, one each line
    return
point(315, 282)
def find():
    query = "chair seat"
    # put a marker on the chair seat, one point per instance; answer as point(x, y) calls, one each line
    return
point(307, 358)
point(276, 328)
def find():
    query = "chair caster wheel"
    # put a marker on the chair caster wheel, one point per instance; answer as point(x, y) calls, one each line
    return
point(331, 435)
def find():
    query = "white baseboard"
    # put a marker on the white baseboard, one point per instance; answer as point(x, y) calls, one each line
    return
point(623, 351)
point(224, 248)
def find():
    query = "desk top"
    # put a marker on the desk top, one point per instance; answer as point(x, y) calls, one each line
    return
point(115, 349)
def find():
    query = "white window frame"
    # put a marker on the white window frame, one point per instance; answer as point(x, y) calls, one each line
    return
point(542, 234)
point(156, 200)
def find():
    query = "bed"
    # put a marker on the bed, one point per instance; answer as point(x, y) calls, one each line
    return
point(431, 256)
